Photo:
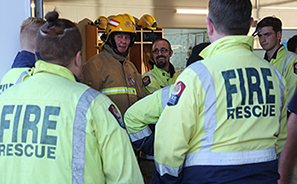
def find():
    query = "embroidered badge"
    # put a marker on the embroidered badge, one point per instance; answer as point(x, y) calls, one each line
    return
point(127, 24)
point(146, 80)
point(176, 93)
point(295, 68)
point(117, 115)
point(90, 83)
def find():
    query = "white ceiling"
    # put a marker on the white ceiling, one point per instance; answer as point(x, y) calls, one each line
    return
point(182, 3)
point(164, 10)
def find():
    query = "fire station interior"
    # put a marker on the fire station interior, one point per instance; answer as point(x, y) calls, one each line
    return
point(183, 30)
point(181, 22)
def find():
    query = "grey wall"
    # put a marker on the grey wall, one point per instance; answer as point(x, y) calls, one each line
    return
point(12, 14)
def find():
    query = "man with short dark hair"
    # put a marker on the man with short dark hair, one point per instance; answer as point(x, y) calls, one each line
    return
point(270, 34)
point(292, 44)
point(225, 120)
point(163, 73)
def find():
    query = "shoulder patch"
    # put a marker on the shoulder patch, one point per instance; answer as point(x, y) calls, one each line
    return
point(113, 110)
point(146, 80)
point(295, 68)
point(176, 93)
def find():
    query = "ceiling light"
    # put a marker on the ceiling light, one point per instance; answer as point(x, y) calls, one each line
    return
point(191, 11)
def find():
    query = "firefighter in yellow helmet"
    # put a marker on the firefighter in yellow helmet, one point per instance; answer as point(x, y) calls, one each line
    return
point(110, 71)
point(147, 22)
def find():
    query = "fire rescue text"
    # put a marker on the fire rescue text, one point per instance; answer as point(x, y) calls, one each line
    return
point(25, 133)
point(257, 99)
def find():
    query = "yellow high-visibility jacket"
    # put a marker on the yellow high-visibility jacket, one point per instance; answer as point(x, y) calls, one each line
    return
point(142, 114)
point(14, 76)
point(157, 79)
point(286, 63)
point(226, 112)
point(56, 130)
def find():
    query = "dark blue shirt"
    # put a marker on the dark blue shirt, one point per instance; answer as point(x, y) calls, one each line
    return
point(24, 59)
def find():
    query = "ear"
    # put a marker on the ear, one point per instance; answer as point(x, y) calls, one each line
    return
point(251, 21)
point(78, 60)
point(171, 52)
point(279, 35)
point(210, 28)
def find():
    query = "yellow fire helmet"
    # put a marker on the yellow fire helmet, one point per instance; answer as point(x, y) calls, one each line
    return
point(147, 22)
point(119, 24)
point(101, 22)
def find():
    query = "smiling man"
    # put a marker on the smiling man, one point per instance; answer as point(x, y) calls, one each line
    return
point(270, 34)
point(163, 73)
point(110, 71)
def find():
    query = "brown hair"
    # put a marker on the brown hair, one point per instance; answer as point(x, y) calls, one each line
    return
point(292, 44)
point(230, 17)
point(29, 30)
point(274, 22)
point(58, 40)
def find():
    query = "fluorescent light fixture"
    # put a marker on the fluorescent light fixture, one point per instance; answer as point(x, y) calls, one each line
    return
point(192, 11)
point(32, 5)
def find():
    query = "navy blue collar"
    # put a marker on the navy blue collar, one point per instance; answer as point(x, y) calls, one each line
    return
point(274, 55)
point(24, 59)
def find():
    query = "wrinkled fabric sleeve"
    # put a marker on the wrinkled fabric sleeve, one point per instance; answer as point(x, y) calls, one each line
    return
point(92, 74)
point(139, 116)
point(117, 155)
point(291, 78)
point(174, 131)
point(151, 87)
point(282, 137)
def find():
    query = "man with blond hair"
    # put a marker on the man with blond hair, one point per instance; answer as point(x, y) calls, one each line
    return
point(25, 59)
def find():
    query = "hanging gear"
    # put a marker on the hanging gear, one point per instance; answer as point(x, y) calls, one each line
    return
point(147, 22)
point(100, 22)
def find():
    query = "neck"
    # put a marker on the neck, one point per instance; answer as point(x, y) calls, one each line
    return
point(271, 52)
point(166, 68)
point(29, 50)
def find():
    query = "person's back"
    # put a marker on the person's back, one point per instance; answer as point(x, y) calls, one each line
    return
point(56, 130)
point(234, 122)
point(25, 59)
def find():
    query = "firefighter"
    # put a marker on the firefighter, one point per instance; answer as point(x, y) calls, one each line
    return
point(57, 130)
point(25, 60)
point(110, 71)
point(225, 121)
point(140, 121)
point(163, 73)
point(270, 34)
